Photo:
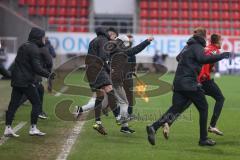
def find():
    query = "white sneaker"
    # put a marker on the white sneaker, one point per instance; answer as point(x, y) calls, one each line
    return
point(35, 132)
point(9, 132)
point(215, 130)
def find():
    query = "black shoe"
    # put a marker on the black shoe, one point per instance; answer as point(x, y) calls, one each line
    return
point(151, 134)
point(207, 142)
point(43, 115)
point(126, 130)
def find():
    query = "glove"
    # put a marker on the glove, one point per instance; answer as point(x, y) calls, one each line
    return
point(52, 76)
point(226, 54)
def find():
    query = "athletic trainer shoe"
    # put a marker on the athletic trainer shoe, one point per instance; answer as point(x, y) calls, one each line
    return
point(215, 130)
point(151, 134)
point(35, 132)
point(207, 142)
point(100, 128)
point(42, 115)
point(9, 132)
point(127, 130)
point(166, 130)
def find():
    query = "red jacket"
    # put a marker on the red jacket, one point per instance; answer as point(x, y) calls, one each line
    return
point(205, 73)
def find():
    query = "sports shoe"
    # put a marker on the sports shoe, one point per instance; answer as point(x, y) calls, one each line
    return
point(42, 115)
point(100, 128)
point(35, 132)
point(9, 132)
point(166, 130)
point(215, 130)
point(126, 130)
point(207, 142)
point(151, 134)
point(78, 111)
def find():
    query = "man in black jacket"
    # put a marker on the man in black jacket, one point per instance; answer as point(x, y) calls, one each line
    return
point(185, 88)
point(26, 67)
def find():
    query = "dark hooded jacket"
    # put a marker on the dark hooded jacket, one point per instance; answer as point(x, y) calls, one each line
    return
point(119, 60)
point(27, 62)
point(190, 63)
point(97, 61)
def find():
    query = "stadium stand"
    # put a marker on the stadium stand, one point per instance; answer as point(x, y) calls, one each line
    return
point(181, 16)
point(63, 15)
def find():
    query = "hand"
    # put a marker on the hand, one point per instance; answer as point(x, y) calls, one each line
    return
point(150, 39)
point(226, 54)
point(52, 76)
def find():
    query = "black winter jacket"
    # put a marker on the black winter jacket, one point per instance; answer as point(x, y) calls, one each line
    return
point(119, 60)
point(27, 62)
point(190, 63)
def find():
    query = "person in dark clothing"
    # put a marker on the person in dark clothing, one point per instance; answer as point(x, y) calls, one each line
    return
point(49, 46)
point(3, 58)
point(186, 88)
point(27, 65)
point(47, 63)
point(98, 74)
point(119, 60)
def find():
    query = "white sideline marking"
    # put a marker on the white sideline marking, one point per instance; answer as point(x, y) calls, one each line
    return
point(67, 146)
point(64, 89)
point(15, 129)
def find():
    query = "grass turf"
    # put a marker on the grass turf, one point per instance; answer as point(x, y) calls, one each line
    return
point(90, 145)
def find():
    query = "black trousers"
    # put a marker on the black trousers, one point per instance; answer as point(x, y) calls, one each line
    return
point(40, 90)
point(211, 89)
point(180, 101)
point(17, 93)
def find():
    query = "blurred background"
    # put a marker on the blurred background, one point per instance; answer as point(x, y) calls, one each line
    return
point(70, 26)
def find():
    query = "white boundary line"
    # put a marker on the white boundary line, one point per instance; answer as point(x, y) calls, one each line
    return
point(67, 146)
point(15, 129)
point(64, 89)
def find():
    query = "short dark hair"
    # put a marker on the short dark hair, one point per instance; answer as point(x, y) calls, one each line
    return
point(215, 38)
point(112, 30)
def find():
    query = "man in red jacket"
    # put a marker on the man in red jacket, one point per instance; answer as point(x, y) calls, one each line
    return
point(208, 84)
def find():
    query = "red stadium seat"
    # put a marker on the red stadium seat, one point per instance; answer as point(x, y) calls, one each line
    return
point(236, 32)
point(184, 14)
point(32, 2)
point(225, 15)
point(163, 5)
point(236, 15)
point(195, 23)
point(184, 31)
point(226, 32)
point(81, 29)
point(22, 2)
point(173, 5)
point(144, 13)
point(205, 24)
point(51, 20)
point(174, 31)
point(184, 23)
point(143, 23)
point(73, 3)
point(153, 14)
point(164, 31)
point(143, 30)
point(174, 23)
point(63, 3)
point(194, 5)
point(83, 12)
point(83, 21)
point(62, 12)
point(72, 12)
point(154, 5)
point(42, 2)
point(61, 20)
point(226, 24)
point(163, 14)
point(215, 24)
point(153, 30)
point(32, 11)
point(224, 6)
point(204, 15)
point(236, 25)
point(215, 6)
point(52, 11)
point(84, 3)
point(73, 21)
point(163, 23)
point(215, 15)
point(235, 6)
point(184, 5)
point(143, 5)
point(204, 6)
point(153, 23)
point(53, 3)
point(194, 15)
point(42, 11)
point(174, 14)
point(61, 28)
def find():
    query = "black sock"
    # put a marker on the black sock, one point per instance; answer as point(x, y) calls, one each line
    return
point(98, 108)
point(130, 109)
point(116, 111)
point(112, 102)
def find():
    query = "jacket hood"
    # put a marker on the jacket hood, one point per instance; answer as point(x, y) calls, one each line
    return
point(36, 35)
point(197, 39)
point(102, 31)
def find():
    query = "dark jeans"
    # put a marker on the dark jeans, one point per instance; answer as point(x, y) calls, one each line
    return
point(212, 89)
point(40, 90)
point(17, 93)
point(180, 101)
